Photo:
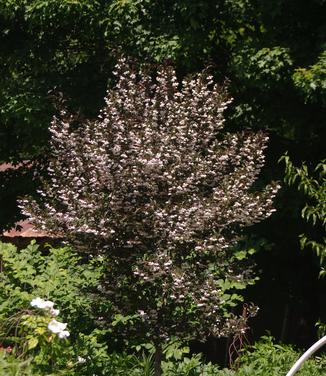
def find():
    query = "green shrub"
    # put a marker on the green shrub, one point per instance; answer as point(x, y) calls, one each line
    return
point(266, 358)
point(30, 279)
point(262, 359)
point(28, 347)
point(59, 276)
point(10, 365)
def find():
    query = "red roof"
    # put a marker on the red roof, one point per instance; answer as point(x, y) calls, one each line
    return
point(27, 231)
point(10, 166)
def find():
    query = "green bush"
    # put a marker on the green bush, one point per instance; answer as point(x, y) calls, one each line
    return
point(59, 276)
point(266, 358)
point(10, 365)
point(263, 358)
point(28, 347)
point(64, 280)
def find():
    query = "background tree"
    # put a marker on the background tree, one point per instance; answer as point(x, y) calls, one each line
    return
point(162, 191)
point(273, 54)
point(313, 185)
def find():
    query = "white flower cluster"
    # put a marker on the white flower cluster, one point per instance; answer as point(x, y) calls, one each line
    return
point(58, 328)
point(54, 326)
point(45, 304)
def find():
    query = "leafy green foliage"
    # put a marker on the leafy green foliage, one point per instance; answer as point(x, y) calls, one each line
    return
point(314, 187)
point(311, 82)
point(10, 365)
point(62, 276)
point(37, 352)
point(59, 276)
point(72, 45)
point(267, 358)
point(263, 358)
point(263, 68)
point(33, 339)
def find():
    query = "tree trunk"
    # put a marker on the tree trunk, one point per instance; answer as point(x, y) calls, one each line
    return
point(158, 360)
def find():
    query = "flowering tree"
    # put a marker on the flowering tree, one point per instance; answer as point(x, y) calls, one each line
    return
point(158, 187)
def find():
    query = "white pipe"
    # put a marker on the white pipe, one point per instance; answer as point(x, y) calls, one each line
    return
point(306, 355)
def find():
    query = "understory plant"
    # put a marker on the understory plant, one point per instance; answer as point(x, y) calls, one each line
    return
point(11, 365)
point(41, 293)
point(313, 185)
point(159, 188)
point(48, 311)
point(265, 357)
point(57, 274)
point(268, 358)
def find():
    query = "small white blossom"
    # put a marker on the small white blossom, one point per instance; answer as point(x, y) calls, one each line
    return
point(54, 312)
point(41, 303)
point(81, 360)
point(57, 327)
point(63, 334)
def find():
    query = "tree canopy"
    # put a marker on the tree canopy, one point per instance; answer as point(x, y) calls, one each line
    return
point(273, 54)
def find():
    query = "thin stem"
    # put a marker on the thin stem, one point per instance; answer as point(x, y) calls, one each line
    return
point(158, 360)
